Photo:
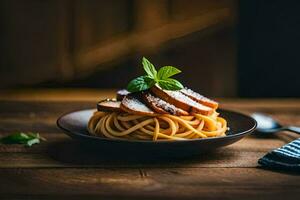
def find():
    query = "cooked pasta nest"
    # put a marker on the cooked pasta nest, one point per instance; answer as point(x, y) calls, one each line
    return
point(119, 125)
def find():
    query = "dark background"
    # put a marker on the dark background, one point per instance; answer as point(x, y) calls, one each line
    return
point(229, 48)
point(269, 42)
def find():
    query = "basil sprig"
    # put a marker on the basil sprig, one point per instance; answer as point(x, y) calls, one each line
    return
point(162, 78)
point(22, 138)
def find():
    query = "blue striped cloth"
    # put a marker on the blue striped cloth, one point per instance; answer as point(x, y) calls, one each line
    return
point(283, 158)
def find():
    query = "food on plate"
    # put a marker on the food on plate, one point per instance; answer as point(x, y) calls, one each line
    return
point(157, 107)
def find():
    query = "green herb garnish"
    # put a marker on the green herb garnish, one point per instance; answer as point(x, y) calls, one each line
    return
point(22, 138)
point(162, 78)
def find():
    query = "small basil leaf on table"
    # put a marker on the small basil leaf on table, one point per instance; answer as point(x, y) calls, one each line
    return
point(22, 138)
point(18, 138)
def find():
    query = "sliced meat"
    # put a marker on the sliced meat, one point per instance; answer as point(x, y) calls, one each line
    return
point(199, 98)
point(121, 94)
point(161, 106)
point(181, 101)
point(134, 105)
point(109, 105)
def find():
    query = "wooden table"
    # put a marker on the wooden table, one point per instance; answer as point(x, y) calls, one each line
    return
point(61, 168)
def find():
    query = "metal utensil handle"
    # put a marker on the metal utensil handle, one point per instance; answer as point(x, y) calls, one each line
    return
point(294, 129)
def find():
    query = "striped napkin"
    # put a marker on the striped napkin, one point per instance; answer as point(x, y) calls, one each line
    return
point(284, 158)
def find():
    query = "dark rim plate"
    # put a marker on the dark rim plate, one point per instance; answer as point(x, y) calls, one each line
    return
point(75, 125)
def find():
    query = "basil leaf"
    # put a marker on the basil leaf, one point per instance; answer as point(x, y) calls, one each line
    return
point(18, 138)
point(149, 68)
point(166, 72)
point(22, 138)
point(170, 84)
point(140, 83)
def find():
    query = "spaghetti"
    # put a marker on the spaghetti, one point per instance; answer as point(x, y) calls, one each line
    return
point(120, 125)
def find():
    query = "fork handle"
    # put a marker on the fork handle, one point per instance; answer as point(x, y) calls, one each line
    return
point(294, 129)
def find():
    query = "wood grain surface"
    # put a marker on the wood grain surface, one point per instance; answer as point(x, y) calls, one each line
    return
point(62, 168)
